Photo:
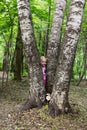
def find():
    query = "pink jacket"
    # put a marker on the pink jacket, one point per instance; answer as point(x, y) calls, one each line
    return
point(44, 74)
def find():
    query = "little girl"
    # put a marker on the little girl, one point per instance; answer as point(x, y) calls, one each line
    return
point(43, 64)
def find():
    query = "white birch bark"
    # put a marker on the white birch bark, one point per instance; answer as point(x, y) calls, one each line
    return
point(37, 89)
point(59, 99)
point(54, 42)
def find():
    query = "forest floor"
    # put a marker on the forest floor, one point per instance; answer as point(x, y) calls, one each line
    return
point(15, 93)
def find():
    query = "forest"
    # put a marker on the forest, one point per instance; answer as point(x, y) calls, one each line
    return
point(56, 29)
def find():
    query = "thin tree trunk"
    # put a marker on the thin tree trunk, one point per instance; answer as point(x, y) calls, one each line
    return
point(18, 56)
point(59, 99)
point(7, 55)
point(84, 64)
point(47, 31)
point(37, 89)
point(53, 44)
point(4, 68)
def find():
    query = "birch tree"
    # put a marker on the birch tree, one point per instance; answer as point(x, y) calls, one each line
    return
point(59, 102)
point(54, 43)
point(37, 89)
point(63, 61)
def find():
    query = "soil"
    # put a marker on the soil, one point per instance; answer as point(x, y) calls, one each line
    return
point(15, 93)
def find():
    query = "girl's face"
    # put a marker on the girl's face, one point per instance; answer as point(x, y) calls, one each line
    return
point(43, 60)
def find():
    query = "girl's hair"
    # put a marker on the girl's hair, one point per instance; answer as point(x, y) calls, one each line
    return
point(43, 58)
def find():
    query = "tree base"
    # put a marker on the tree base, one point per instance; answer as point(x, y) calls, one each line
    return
point(31, 103)
point(54, 111)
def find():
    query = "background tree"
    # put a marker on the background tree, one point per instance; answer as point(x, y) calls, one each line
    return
point(18, 57)
point(8, 25)
point(80, 59)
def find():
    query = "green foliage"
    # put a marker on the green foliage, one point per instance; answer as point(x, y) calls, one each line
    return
point(79, 59)
point(40, 15)
point(25, 73)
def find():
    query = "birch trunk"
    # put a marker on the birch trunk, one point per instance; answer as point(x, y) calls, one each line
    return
point(59, 99)
point(37, 89)
point(53, 44)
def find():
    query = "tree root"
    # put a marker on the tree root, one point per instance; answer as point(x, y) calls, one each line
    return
point(31, 103)
point(54, 111)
